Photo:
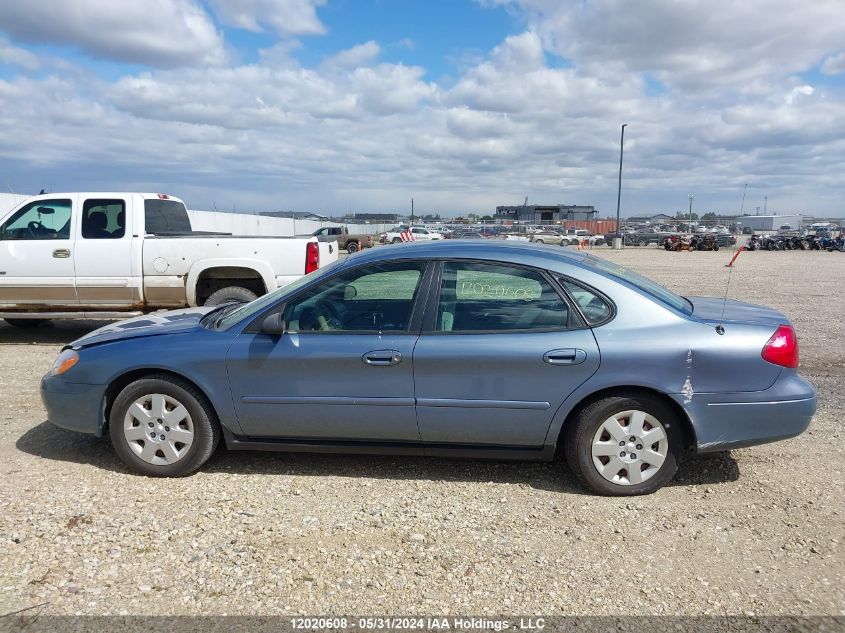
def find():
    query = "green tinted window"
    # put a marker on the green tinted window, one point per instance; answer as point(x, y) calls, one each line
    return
point(40, 220)
point(479, 297)
point(374, 298)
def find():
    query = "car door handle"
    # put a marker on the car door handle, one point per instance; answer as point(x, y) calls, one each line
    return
point(569, 356)
point(61, 253)
point(382, 357)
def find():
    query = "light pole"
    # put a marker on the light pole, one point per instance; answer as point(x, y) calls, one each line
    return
point(617, 241)
point(689, 224)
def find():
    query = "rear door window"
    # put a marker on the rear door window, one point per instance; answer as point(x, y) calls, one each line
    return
point(103, 219)
point(482, 297)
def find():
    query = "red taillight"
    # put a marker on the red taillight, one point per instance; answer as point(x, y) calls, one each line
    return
point(782, 348)
point(312, 257)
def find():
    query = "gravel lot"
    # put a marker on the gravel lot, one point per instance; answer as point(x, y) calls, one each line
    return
point(757, 530)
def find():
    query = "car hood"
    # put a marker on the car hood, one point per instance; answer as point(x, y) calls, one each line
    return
point(172, 322)
point(710, 309)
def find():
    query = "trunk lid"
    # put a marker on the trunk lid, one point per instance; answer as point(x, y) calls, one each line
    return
point(710, 309)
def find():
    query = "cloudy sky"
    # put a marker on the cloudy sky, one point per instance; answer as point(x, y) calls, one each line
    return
point(329, 105)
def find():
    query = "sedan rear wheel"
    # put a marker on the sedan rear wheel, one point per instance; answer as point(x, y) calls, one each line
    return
point(625, 445)
point(162, 426)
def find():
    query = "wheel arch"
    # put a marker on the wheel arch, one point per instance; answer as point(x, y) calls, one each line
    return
point(120, 382)
point(622, 391)
point(256, 272)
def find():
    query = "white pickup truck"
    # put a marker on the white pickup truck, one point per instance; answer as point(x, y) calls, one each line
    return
point(115, 255)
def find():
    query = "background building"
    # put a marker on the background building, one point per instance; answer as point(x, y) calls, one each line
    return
point(544, 214)
point(657, 218)
point(769, 222)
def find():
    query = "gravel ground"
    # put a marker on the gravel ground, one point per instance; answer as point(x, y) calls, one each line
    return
point(757, 530)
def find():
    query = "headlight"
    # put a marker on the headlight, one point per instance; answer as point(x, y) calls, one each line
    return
point(65, 361)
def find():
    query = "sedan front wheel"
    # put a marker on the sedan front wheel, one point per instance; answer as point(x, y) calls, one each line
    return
point(624, 446)
point(163, 427)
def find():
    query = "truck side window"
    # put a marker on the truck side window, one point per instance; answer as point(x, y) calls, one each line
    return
point(103, 219)
point(39, 220)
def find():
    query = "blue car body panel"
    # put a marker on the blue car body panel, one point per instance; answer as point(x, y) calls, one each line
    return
point(454, 390)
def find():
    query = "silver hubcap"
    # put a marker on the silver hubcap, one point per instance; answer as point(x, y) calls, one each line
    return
point(158, 429)
point(629, 447)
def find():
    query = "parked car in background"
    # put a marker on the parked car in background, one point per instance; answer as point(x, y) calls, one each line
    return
point(419, 234)
point(485, 348)
point(115, 255)
point(346, 241)
point(549, 237)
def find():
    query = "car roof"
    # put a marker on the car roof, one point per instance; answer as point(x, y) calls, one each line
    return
point(503, 250)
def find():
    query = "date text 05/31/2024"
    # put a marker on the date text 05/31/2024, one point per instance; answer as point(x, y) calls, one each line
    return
point(416, 623)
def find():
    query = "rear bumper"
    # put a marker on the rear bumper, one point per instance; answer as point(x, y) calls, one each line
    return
point(74, 407)
point(735, 420)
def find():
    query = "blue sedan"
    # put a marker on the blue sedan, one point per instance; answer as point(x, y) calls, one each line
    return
point(489, 349)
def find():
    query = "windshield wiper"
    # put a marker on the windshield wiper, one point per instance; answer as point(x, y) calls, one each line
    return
point(224, 311)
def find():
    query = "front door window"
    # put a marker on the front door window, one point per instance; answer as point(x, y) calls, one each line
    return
point(39, 220)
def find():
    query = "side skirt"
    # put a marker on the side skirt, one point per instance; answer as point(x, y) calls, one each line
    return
point(356, 447)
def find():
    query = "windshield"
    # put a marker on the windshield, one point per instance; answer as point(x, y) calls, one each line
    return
point(249, 310)
point(648, 286)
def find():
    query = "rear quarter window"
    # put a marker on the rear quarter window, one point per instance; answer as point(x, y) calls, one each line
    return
point(165, 216)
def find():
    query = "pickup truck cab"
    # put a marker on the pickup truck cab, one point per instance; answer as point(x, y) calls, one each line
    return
point(116, 255)
point(346, 241)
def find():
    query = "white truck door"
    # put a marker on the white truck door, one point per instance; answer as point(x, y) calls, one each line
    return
point(108, 255)
point(36, 255)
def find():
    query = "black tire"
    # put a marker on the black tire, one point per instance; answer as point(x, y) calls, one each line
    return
point(230, 294)
point(27, 324)
point(352, 247)
point(578, 438)
point(715, 247)
point(539, 242)
point(642, 243)
point(205, 425)
point(397, 240)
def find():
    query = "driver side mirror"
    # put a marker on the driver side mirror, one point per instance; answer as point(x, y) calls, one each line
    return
point(274, 324)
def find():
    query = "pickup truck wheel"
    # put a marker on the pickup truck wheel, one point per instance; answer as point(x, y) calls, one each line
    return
point(623, 446)
point(163, 427)
point(230, 294)
point(642, 243)
point(352, 247)
point(27, 324)
point(397, 240)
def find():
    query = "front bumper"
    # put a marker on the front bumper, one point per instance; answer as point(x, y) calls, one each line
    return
point(735, 420)
point(72, 406)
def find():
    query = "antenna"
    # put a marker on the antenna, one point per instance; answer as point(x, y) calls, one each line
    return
point(720, 329)
point(742, 206)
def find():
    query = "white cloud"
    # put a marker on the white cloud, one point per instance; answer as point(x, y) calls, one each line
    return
point(514, 122)
point(284, 17)
point(159, 33)
point(360, 55)
point(15, 56)
point(694, 43)
point(797, 91)
point(834, 65)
